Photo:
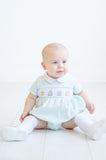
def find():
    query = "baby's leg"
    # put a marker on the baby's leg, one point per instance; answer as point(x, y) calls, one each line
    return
point(69, 124)
point(20, 132)
point(93, 129)
point(41, 124)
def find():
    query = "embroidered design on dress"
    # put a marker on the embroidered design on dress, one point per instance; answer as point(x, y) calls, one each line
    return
point(67, 93)
point(50, 93)
point(42, 93)
point(59, 93)
point(54, 92)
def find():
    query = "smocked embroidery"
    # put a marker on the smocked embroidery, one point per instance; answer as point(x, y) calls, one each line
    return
point(55, 92)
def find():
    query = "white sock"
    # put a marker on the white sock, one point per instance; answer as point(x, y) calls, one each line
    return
point(83, 122)
point(28, 124)
point(94, 129)
point(20, 133)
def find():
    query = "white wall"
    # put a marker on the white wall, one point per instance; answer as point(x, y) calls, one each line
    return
point(27, 26)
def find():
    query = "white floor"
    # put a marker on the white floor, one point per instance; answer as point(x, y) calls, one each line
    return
point(48, 144)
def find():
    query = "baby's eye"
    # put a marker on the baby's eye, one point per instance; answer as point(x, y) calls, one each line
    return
point(55, 62)
point(64, 61)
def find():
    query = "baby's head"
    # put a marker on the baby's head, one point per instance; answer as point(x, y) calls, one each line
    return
point(55, 60)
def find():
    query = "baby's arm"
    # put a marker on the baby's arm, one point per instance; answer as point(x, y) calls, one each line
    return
point(89, 105)
point(29, 104)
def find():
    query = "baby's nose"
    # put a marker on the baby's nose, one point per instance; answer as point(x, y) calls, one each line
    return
point(60, 65)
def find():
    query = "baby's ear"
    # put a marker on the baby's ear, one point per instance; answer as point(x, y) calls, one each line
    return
point(44, 67)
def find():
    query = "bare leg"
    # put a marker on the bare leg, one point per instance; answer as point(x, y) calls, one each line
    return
point(69, 124)
point(41, 124)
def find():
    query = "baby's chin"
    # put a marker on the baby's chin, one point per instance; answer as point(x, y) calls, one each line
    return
point(59, 74)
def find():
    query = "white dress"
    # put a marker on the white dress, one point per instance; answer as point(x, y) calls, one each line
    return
point(56, 102)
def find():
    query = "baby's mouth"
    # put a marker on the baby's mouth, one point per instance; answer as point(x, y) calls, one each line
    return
point(60, 71)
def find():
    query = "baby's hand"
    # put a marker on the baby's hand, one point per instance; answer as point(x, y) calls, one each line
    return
point(23, 115)
point(91, 108)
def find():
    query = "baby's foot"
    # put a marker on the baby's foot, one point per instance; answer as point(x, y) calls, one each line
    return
point(97, 129)
point(13, 134)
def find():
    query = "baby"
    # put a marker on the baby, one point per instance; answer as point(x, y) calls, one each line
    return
point(55, 100)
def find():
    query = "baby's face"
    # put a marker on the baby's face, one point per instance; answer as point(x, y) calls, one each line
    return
point(56, 62)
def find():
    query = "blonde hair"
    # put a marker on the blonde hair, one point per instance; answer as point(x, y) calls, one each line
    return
point(52, 46)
